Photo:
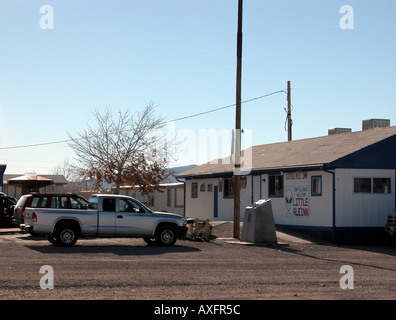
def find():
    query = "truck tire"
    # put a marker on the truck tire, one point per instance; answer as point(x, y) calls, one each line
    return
point(166, 236)
point(66, 235)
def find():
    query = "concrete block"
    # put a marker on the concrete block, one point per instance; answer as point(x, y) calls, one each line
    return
point(258, 224)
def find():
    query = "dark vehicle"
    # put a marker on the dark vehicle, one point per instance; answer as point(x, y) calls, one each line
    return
point(390, 226)
point(55, 201)
point(6, 209)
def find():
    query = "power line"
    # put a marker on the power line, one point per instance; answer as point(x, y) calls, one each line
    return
point(229, 106)
point(174, 120)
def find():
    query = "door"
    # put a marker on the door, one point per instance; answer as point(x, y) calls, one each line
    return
point(106, 223)
point(133, 219)
point(215, 201)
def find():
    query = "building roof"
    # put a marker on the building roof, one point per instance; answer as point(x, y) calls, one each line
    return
point(56, 178)
point(319, 151)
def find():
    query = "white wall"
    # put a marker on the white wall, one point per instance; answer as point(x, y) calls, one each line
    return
point(352, 209)
point(319, 209)
point(362, 209)
point(202, 207)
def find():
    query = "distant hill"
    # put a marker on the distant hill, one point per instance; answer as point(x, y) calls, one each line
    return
point(178, 170)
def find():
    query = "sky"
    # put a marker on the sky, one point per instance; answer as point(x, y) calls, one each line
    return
point(61, 60)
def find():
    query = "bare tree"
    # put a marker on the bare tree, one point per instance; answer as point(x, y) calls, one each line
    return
point(64, 169)
point(124, 151)
point(68, 171)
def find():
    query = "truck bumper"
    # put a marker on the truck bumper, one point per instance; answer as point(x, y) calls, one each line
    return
point(181, 232)
point(25, 228)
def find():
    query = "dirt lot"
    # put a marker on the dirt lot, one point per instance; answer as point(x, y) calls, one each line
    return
point(224, 269)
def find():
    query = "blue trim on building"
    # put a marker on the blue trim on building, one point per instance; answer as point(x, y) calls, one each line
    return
point(380, 155)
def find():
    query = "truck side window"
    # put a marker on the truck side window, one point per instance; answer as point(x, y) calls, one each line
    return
point(126, 205)
point(109, 204)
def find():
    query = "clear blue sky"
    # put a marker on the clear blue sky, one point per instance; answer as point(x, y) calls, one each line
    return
point(181, 55)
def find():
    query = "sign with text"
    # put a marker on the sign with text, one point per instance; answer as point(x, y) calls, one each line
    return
point(298, 175)
point(297, 201)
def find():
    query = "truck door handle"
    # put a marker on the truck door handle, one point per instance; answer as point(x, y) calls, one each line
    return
point(120, 217)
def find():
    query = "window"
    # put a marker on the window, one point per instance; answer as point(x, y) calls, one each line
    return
point(194, 190)
point(381, 185)
point(8, 203)
point(150, 201)
point(210, 187)
point(275, 186)
point(78, 203)
point(127, 205)
point(59, 203)
point(228, 188)
point(372, 185)
point(109, 204)
point(39, 202)
point(168, 197)
point(316, 185)
point(362, 185)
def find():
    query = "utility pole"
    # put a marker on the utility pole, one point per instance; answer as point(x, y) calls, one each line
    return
point(237, 149)
point(289, 120)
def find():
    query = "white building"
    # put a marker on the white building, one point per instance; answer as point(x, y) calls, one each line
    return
point(339, 187)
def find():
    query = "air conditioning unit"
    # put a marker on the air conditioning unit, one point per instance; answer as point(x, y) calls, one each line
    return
point(375, 123)
point(338, 130)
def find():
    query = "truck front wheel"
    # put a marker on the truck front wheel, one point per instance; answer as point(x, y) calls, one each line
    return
point(166, 236)
point(66, 235)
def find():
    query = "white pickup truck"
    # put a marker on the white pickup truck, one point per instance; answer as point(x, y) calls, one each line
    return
point(107, 216)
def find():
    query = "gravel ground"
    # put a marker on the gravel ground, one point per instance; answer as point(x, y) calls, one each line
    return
point(295, 268)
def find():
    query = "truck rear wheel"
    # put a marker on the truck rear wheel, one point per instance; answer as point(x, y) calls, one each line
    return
point(66, 235)
point(166, 236)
